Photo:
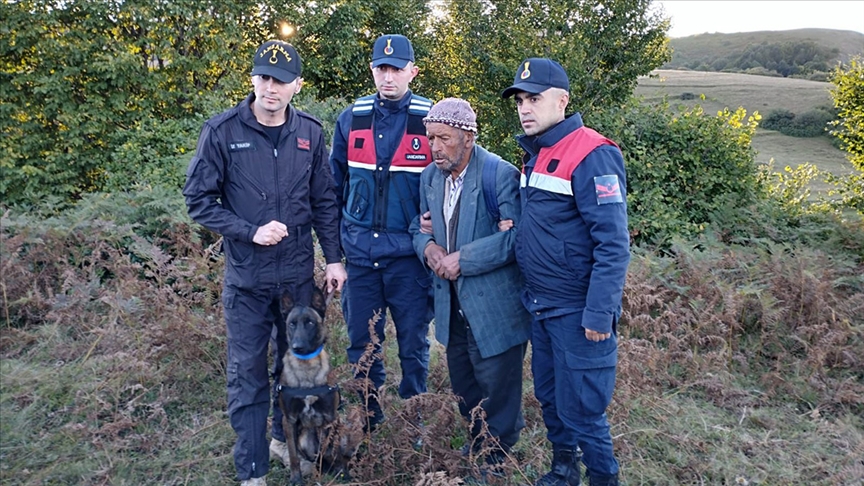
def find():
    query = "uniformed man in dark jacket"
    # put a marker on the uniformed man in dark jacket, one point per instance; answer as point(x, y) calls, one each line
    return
point(379, 150)
point(573, 248)
point(259, 178)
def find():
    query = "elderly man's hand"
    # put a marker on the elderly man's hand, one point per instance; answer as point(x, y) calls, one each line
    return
point(434, 253)
point(449, 268)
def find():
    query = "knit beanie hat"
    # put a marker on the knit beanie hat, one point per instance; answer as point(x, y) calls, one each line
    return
point(455, 112)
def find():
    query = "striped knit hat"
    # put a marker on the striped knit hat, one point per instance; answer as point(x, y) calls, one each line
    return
point(455, 112)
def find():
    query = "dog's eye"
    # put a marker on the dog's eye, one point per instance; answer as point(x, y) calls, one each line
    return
point(292, 324)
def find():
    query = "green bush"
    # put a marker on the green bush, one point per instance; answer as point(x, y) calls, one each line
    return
point(779, 119)
point(683, 167)
point(811, 123)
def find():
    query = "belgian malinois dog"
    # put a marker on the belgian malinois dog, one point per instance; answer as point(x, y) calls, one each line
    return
point(309, 404)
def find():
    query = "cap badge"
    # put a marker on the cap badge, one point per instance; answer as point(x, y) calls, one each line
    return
point(526, 73)
point(273, 49)
point(388, 50)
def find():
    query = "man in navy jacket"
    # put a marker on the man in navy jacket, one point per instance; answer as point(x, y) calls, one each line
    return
point(572, 246)
point(259, 178)
point(379, 150)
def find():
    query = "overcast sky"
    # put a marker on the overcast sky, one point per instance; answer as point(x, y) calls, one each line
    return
point(691, 17)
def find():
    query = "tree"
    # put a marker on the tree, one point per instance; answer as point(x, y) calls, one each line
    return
point(92, 90)
point(335, 38)
point(603, 47)
point(849, 100)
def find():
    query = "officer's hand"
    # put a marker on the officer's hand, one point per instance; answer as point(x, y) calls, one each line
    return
point(596, 336)
point(449, 268)
point(434, 253)
point(335, 276)
point(505, 224)
point(270, 234)
point(426, 223)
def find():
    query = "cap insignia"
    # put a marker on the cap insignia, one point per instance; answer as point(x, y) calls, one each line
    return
point(272, 50)
point(526, 73)
point(388, 50)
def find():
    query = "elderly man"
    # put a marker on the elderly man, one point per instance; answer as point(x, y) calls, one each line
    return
point(478, 315)
point(573, 248)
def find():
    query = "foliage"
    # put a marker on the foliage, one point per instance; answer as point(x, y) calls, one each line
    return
point(91, 90)
point(811, 123)
point(849, 101)
point(805, 53)
point(335, 37)
point(682, 168)
point(603, 48)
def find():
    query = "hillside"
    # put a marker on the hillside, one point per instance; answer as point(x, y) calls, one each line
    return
point(755, 93)
point(815, 48)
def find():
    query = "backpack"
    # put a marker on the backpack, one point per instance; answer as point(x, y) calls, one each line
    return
point(487, 182)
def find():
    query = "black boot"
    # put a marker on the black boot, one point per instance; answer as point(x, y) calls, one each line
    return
point(374, 415)
point(565, 469)
point(602, 479)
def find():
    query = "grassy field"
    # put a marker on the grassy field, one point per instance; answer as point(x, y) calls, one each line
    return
point(756, 94)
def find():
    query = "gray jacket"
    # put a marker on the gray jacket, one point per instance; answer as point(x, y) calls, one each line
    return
point(490, 283)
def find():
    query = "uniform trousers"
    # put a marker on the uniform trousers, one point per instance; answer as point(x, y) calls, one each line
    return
point(253, 320)
point(573, 380)
point(403, 288)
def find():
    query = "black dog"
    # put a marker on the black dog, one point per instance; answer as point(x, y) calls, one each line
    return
point(309, 405)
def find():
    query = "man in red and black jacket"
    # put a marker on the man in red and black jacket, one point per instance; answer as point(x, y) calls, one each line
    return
point(379, 150)
point(259, 178)
point(572, 245)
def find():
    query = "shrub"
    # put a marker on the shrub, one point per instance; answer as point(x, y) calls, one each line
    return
point(778, 119)
point(682, 168)
point(811, 123)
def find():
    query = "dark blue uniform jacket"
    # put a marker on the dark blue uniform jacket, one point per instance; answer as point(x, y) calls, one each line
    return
point(572, 243)
point(380, 196)
point(238, 181)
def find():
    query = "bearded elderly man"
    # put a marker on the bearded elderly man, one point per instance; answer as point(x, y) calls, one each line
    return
point(478, 314)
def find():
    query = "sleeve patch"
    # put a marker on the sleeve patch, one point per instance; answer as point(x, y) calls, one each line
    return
point(608, 189)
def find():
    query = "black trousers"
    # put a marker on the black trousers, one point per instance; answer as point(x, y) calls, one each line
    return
point(496, 381)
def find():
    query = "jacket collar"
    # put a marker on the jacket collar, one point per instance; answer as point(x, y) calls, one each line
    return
point(550, 137)
point(384, 104)
point(248, 117)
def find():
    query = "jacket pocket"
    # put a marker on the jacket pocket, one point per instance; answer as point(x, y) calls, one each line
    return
point(359, 200)
point(238, 252)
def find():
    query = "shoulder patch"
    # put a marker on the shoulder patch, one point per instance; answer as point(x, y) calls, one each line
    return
point(608, 189)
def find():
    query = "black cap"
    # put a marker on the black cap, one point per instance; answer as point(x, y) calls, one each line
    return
point(278, 60)
point(536, 75)
point(392, 49)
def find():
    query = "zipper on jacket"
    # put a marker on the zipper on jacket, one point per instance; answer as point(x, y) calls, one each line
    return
point(253, 183)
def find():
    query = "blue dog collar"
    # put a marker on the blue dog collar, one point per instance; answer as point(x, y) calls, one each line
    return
point(309, 356)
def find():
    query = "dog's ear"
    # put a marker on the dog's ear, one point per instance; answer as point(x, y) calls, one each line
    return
point(286, 304)
point(319, 302)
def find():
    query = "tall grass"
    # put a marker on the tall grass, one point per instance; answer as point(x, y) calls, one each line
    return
point(741, 363)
